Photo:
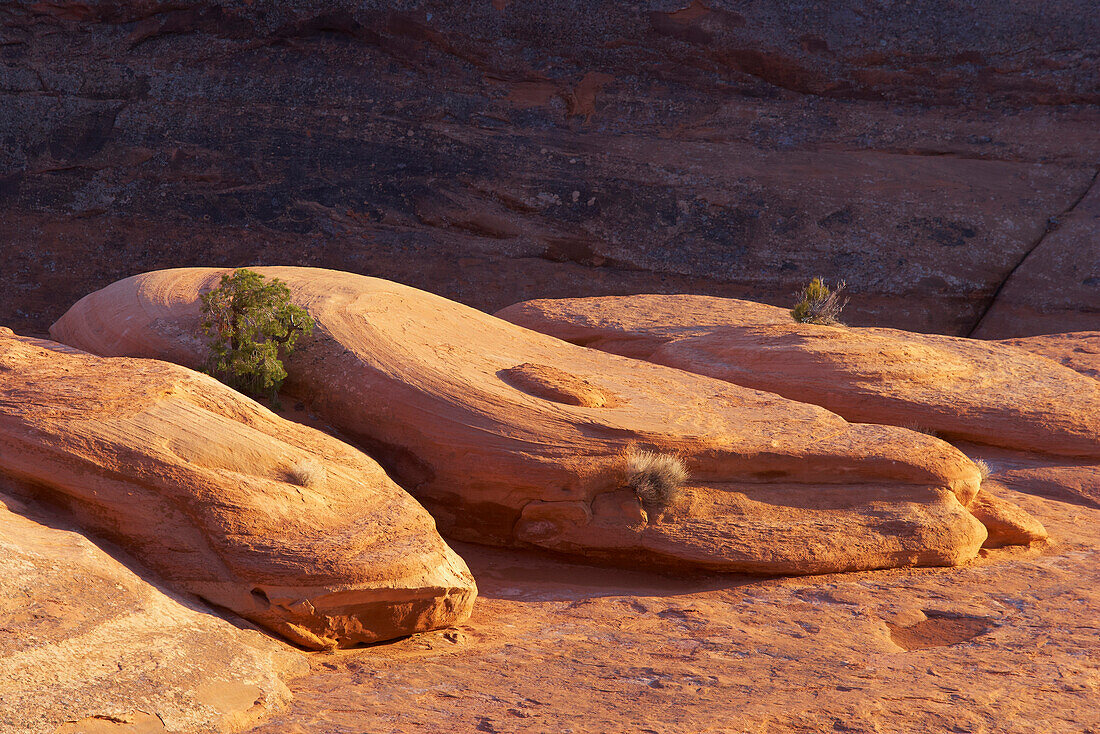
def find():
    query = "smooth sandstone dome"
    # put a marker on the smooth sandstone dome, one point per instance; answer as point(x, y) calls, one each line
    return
point(87, 640)
point(964, 389)
point(196, 481)
point(513, 437)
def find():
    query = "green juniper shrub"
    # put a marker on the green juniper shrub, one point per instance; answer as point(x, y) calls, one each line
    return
point(251, 323)
point(818, 304)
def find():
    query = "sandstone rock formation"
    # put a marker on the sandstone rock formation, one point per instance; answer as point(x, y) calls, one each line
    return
point(195, 481)
point(1006, 644)
point(1006, 522)
point(497, 151)
point(1078, 350)
point(961, 388)
point(510, 436)
point(83, 639)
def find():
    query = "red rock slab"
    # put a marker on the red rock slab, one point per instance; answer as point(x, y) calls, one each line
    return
point(198, 483)
point(1079, 484)
point(1006, 522)
point(85, 641)
point(1007, 643)
point(429, 387)
point(1078, 350)
point(963, 389)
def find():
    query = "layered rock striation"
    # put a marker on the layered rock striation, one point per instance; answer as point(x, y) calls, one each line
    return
point(513, 437)
point(963, 389)
point(940, 157)
point(200, 485)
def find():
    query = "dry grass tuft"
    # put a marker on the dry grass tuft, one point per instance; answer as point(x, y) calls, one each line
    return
point(654, 477)
point(819, 304)
point(983, 468)
point(308, 473)
point(921, 429)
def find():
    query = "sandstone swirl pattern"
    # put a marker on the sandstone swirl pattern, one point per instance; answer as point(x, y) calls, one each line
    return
point(193, 479)
point(967, 389)
point(514, 437)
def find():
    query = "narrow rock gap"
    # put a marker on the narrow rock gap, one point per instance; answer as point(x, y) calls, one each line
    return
point(1053, 224)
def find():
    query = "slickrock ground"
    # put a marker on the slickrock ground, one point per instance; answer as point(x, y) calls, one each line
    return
point(1078, 350)
point(961, 388)
point(1008, 644)
point(510, 436)
point(941, 157)
point(198, 483)
point(87, 646)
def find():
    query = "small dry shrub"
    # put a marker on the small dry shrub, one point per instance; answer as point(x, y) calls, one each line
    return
point(308, 473)
point(983, 467)
point(819, 304)
point(654, 477)
point(921, 429)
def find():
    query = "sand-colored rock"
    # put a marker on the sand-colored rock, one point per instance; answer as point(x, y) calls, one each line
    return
point(636, 326)
point(429, 386)
point(1079, 484)
point(1006, 522)
point(1078, 350)
point(964, 389)
point(194, 480)
point(85, 641)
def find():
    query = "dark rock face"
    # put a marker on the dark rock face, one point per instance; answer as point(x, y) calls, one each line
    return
point(501, 151)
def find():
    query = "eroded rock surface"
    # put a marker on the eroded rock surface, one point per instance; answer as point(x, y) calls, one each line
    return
point(196, 481)
point(430, 387)
point(1056, 286)
point(1078, 350)
point(1007, 643)
point(83, 639)
point(961, 388)
point(1006, 522)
